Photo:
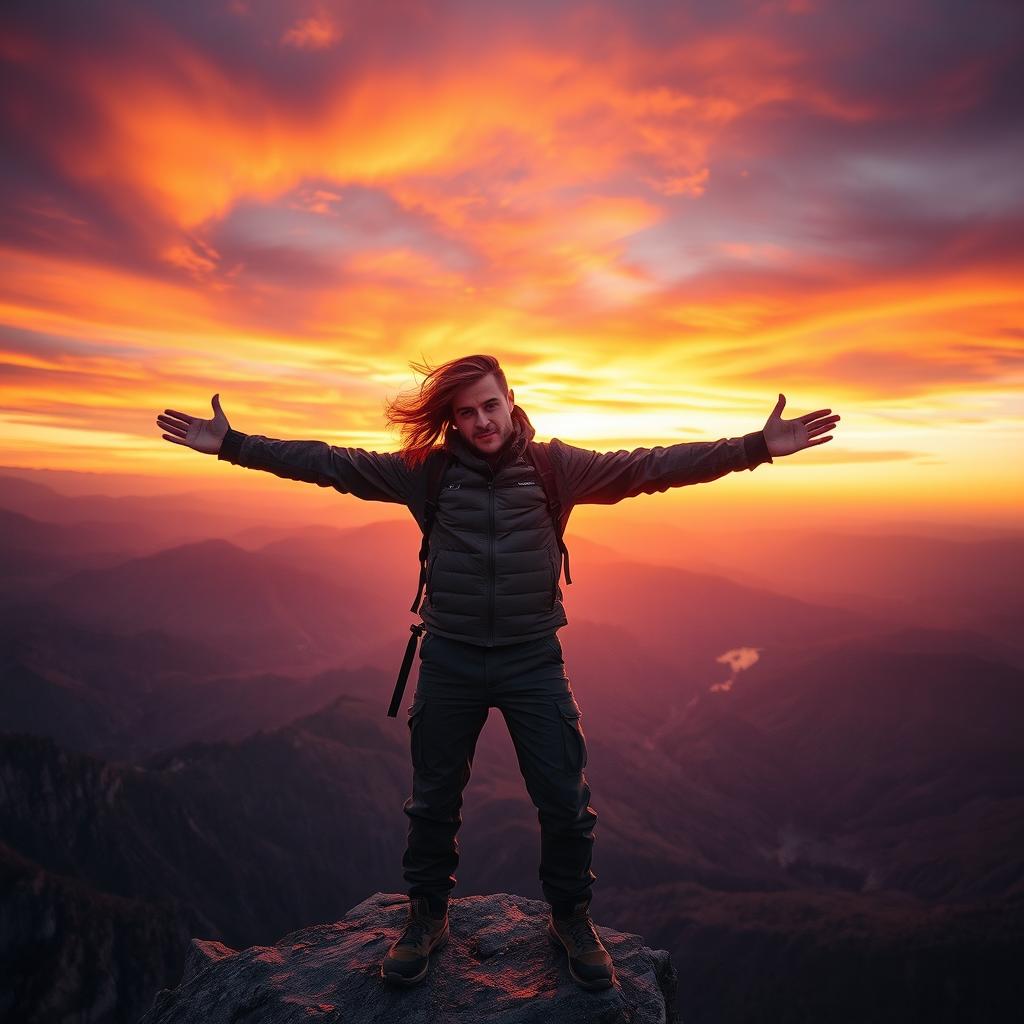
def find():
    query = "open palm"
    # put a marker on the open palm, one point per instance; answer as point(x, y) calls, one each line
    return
point(784, 437)
point(193, 432)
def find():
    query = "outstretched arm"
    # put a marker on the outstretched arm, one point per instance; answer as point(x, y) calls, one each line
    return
point(372, 476)
point(607, 477)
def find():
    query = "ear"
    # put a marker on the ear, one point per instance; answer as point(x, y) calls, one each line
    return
point(511, 400)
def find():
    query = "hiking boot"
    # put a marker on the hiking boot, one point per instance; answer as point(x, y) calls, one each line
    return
point(409, 956)
point(589, 962)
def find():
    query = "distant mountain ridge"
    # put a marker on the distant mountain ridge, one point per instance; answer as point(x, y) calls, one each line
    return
point(787, 790)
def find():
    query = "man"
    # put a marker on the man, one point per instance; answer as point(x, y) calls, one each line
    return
point(492, 607)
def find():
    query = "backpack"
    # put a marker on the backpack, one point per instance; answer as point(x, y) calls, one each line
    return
point(438, 463)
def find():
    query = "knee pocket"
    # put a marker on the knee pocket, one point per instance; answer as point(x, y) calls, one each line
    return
point(574, 743)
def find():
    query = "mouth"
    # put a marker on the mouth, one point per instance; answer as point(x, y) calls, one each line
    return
point(490, 433)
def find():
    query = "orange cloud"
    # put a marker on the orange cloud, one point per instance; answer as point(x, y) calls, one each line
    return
point(317, 32)
point(657, 224)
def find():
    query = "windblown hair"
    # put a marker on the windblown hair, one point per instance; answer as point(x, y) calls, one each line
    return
point(425, 413)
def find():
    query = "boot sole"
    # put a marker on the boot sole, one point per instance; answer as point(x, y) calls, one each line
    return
point(593, 986)
point(401, 979)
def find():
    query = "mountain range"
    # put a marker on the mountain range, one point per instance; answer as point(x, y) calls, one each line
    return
point(794, 795)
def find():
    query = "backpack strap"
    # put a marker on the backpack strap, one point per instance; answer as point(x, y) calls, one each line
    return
point(540, 456)
point(437, 465)
point(417, 631)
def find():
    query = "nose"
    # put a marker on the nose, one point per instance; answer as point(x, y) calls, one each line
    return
point(482, 423)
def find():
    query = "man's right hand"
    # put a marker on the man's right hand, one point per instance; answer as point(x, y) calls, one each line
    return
point(202, 435)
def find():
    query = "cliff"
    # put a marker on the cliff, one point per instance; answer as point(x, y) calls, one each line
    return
point(497, 966)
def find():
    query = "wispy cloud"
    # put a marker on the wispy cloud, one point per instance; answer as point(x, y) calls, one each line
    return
point(658, 215)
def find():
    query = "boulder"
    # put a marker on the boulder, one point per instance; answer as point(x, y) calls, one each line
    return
point(498, 965)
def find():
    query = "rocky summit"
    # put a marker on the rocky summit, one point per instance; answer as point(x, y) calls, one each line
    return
point(498, 965)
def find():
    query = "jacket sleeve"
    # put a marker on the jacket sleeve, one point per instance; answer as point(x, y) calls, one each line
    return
point(372, 476)
point(603, 478)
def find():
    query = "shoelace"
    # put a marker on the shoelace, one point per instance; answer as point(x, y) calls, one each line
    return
point(417, 927)
point(414, 932)
point(581, 931)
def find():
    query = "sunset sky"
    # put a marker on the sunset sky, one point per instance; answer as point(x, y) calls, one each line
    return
point(658, 216)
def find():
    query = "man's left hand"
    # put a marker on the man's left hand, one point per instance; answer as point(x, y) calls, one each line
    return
point(784, 437)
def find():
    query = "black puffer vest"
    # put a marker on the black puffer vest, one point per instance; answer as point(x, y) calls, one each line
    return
point(494, 564)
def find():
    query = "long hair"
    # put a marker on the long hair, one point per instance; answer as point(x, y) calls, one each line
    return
point(426, 412)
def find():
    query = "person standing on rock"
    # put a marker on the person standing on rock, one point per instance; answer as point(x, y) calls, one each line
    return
point(491, 608)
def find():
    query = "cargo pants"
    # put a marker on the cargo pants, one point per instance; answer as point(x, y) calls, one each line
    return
point(458, 684)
